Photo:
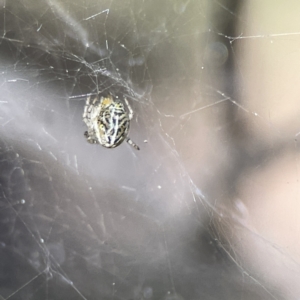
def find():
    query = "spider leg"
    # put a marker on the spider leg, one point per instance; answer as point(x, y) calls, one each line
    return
point(87, 104)
point(95, 100)
point(131, 143)
point(86, 110)
point(130, 115)
point(90, 138)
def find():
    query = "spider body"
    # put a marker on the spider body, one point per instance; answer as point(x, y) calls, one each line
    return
point(108, 122)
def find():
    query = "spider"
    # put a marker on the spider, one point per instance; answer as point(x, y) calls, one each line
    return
point(108, 122)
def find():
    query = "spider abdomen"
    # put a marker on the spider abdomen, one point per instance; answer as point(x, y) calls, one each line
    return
point(113, 125)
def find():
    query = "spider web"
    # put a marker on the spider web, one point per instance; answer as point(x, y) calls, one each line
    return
point(179, 218)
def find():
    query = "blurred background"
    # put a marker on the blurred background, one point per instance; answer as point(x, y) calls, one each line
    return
point(208, 208)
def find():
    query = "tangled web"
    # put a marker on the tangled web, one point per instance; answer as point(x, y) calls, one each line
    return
point(78, 221)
